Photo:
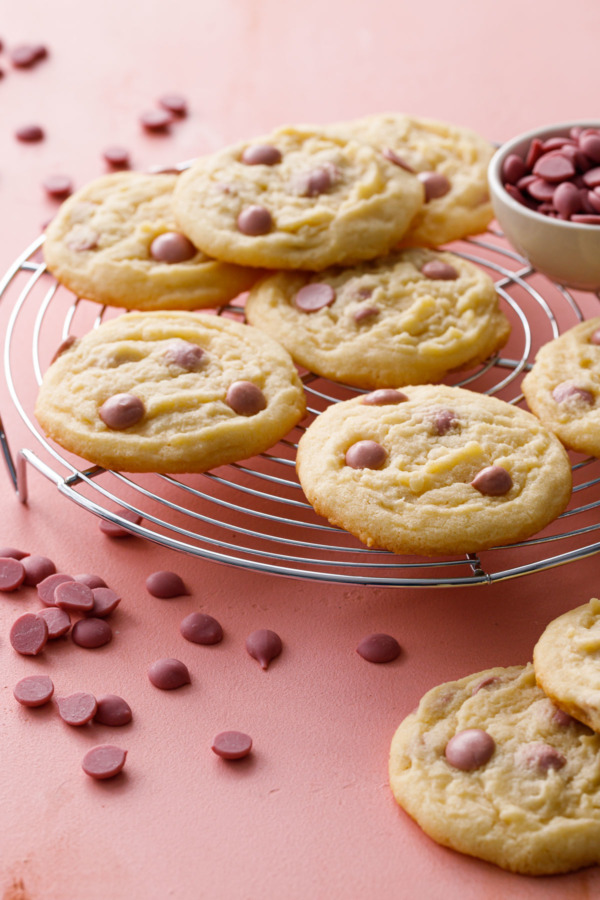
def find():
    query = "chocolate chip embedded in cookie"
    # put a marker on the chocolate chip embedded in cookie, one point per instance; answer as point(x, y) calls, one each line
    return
point(297, 199)
point(486, 767)
point(116, 241)
point(407, 318)
point(170, 392)
point(433, 470)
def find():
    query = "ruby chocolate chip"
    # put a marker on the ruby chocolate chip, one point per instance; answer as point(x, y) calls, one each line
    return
point(24, 56)
point(169, 674)
point(571, 393)
point(105, 602)
point(29, 635)
point(172, 247)
point(165, 585)
point(113, 710)
point(12, 573)
point(174, 103)
point(30, 134)
point(365, 313)
point(317, 181)
point(540, 755)
point(74, 596)
point(379, 648)
point(492, 481)
point(443, 421)
point(435, 183)
point(91, 633)
point(92, 581)
point(200, 628)
point(117, 157)
point(254, 221)
point(12, 553)
point(383, 397)
point(57, 621)
point(77, 709)
point(470, 749)
point(35, 690)
point(366, 455)
point(314, 296)
point(184, 354)
point(115, 530)
point(245, 398)
point(37, 568)
point(104, 761)
point(439, 270)
point(261, 155)
point(59, 187)
point(121, 411)
point(232, 745)
point(395, 158)
point(47, 587)
point(264, 646)
point(156, 121)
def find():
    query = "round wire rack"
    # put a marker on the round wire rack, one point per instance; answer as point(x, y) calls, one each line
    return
point(253, 514)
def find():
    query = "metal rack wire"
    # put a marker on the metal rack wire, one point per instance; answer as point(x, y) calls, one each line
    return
point(253, 514)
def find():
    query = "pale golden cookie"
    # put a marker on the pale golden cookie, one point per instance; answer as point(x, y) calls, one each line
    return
point(487, 765)
point(407, 318)
point(296, 199)
point(567, 662)
point(563, 387)
point(116, 241)
point(170, 392)
point(431, 469)
point(453, 159)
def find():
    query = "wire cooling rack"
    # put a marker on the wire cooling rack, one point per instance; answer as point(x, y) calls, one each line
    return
point(253, 514)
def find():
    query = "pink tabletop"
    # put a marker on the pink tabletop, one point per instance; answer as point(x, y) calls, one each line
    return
point(309, 813)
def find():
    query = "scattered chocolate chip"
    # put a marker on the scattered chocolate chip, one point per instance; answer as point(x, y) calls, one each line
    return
point(485, 682)
point(366, 455)
point(379, 648)
point(74, 596)
point(63, 347)
point(105, 602)
point(115, 530)
point(174, 103)
point(254, 221)
point(117, 157)
point(314, 296)
point(168, 674)
point(91, 633)
point(13, 553)
point(156, 121)
point(184, 354)
point(469, 749)
point(57, 621)
point(104, 761)
point(200, 628)
point(29, 635)
point(165, 585)
point(37, 568)
point(395, 158)
point(365, 312)
point(122, 411)
point(112, 710)
point(172, 247)
point(264, 646)
point(383, 397)
point(492, 481)
point(571, 393)
point(245, 398)
point(261, 155)
point(47, 586)
point(35, 690)
point(77, 709)
point(24, 56)
point(92, 581)
point(83, 242)
point(12, 573)
point(438, 270)
point(435, 184)
point(561, 717)
point(30, 134)
point(58, 186)
point(232, 745)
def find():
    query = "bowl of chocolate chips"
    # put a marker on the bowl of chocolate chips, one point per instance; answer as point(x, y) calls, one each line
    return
point(545, 190)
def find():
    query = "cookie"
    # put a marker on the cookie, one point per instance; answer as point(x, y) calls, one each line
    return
point(563, 387)
point(431, 469)
point(567, 662)
point(170, 392)
point(116, 241)
point(408, 318)
point(296, 199)
point(452, 163)
point(488, 766)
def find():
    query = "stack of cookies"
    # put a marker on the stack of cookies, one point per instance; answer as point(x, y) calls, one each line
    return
point(504, 764)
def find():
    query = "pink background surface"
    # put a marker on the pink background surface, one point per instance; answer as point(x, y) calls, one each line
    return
point(309, 814)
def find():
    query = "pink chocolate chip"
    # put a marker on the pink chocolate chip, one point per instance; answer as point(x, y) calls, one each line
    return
point(91, 633)
point(379, 648)
point(254, 221)
point(317, 181)
point(365, 313)
point(172, 247)
point(34, 690)
point(366, 455)
point(232, 745)
point(156, 121)
point(169, 674)
point(264, 646)
point(113, 710)
point(74, 596)
point(57, 621)
point(29, 634)
point(184, 354)
point(383, 397)
point(104, 761)
point(105, 602)
point(37, 568)
point(469, 749)
point(590, 145)
point(121, 411)
point(245, 398)
point(29, 134)
point(493, 481)
point(554, 167)
point(395, 158)
point(200, 628)
point(117, 157)
point(165, 585)
point(92, 581)
point(174, 103)
point(443, 420)
point(435, 183)
point(13, 553)
point(571, 393)
point(24, 56)
point(567, 199)
point(513, 168)
point(314, 296)
point(114, 529)
point(439, 270)
point(540, 755)
point(58, 186)
point(12, 573)
point(47, 587)
point(261, 155)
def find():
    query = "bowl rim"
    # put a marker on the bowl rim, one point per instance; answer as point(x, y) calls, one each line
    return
point(497, 187)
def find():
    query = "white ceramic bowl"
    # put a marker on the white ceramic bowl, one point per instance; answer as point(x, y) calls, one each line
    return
point(567, 252)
